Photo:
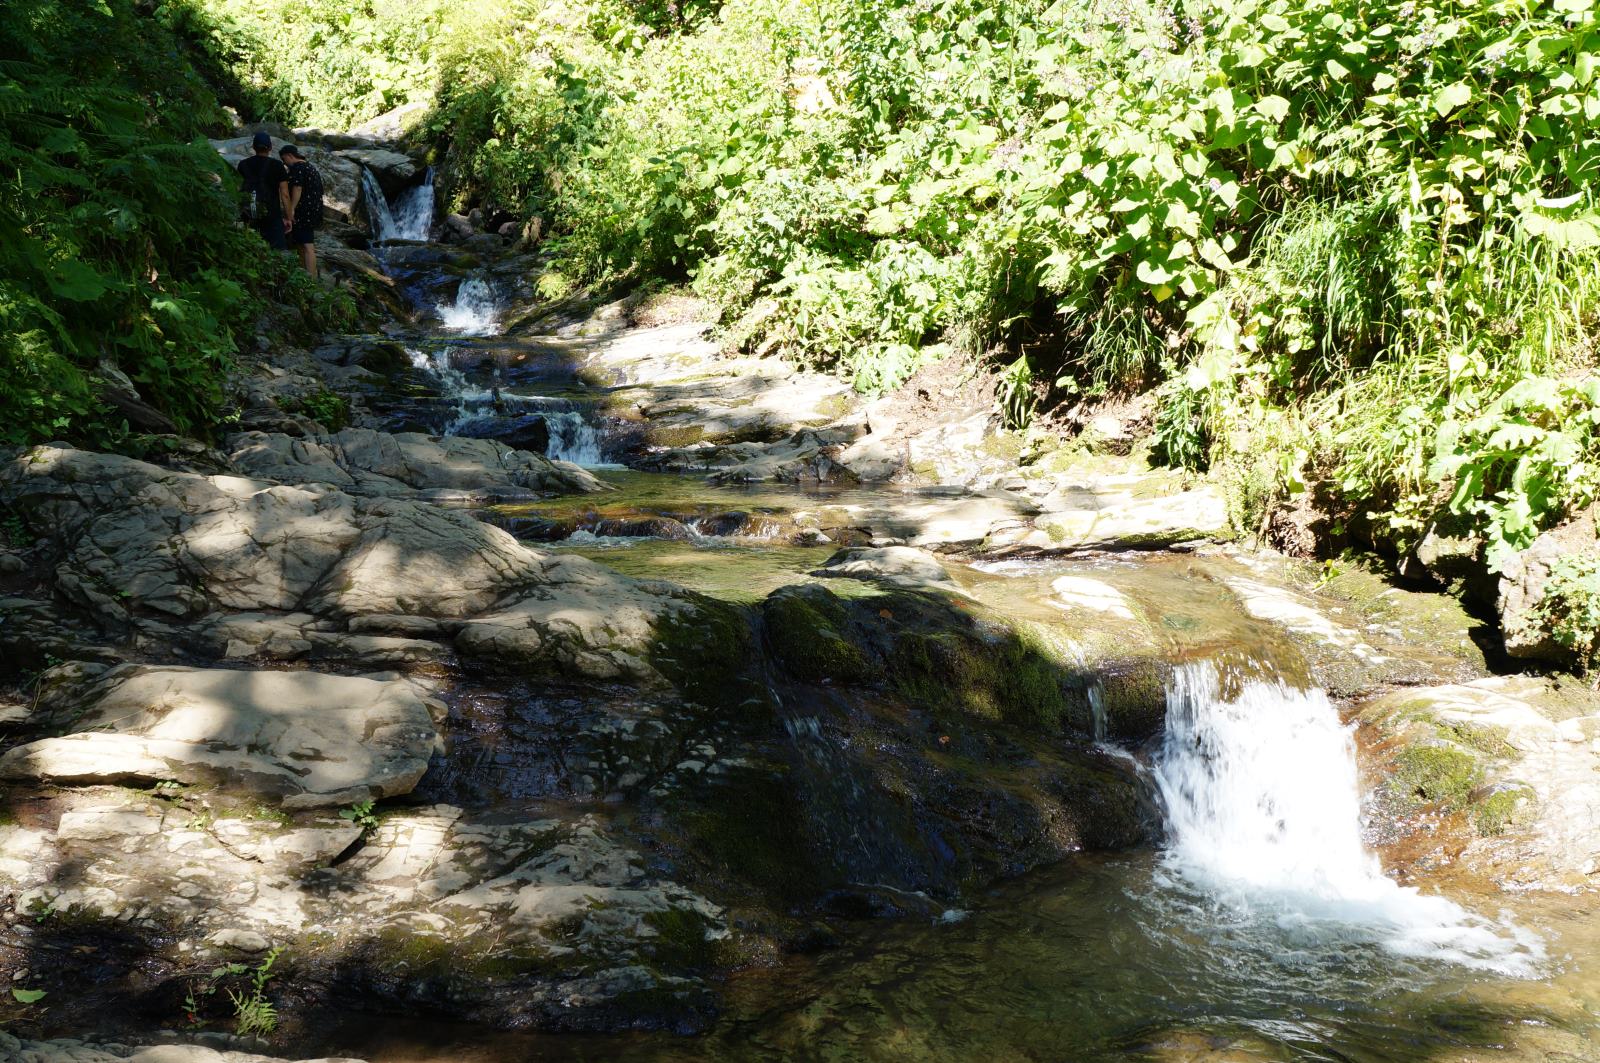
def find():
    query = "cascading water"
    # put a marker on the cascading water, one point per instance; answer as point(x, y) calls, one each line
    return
point(467, 400)
point(573, 439)
point(476, 310)
point(411, 217)
point(1258, 783)
point(378, 213)
point(413, 210)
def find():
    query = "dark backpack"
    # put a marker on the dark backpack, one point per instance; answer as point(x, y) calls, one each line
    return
point(310, 208)
point(254, 205)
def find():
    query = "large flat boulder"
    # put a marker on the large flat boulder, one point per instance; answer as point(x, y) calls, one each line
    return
point(365, 461)
point(393, 170)
point(139, 545)
point(307, 739)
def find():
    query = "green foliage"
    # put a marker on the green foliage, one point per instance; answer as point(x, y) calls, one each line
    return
point(1376, 218)
point(118, 245)
point(329, 408)
point(27, 996)
point(1570, 607)
point(253, 1014)
point(1520, 461)
point(362, 815)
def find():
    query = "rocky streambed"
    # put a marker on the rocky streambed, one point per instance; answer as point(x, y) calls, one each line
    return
point(780, 728)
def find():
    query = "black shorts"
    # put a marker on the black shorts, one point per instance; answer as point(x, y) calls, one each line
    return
point(271, 231)
point(302, 233)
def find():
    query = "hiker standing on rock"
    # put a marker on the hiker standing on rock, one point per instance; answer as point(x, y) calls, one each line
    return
point(305, 205)
point(266, 193)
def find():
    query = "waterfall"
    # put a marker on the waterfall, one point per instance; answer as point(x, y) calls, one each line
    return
point(1258, 782)
point(412, 215)
point(476, 311)
point(378, 214)
point(573, 439)
point(454, 388)
point(413, 210)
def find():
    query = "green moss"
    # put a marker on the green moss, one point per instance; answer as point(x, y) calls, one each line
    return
point(1012, 676)
point(706, 652)
point(685, 436)
point(1436, 775)
point(1004, 445)
point(1483, 737)
point(1493, 814)
point(835, 406)
point(415, 952)
point(750, 829)
point(329, 409)
point(683, 941)
point(806, 628)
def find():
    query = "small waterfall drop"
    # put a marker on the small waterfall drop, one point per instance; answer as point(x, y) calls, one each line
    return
point(413, 210)
point(454, 388)
point(411, 217)
point(1258, 783)
point(573, 439)
point(378, 213)
point(476, 310)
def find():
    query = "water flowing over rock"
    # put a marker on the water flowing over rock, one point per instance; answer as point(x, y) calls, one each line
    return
point(413, 210)
point(475, 311)
point(392, 171)
point(1258, 784)
point(367, 462)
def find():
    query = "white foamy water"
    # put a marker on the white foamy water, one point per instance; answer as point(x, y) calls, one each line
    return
point(573, 439)
point(413, 210)
point(476, 310)
point(1262, 802)
point(378, 213)
point(411, 217)
point(467, 399)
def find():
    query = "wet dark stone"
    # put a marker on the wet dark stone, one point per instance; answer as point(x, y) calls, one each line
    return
point(528, 432)
point(647, 527)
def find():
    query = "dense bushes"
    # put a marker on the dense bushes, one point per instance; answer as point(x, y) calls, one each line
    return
point(1346, 241)
point(118, 247)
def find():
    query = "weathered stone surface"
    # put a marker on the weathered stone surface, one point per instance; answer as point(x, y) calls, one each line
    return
point(537, 918)
point(901, 565)
point(307, 739)
point(1514, 759)
point(364, 461)
point(393, 170)
point(1522, 585)
point(150, 545)
point(65, 1050)
point(1126, 515)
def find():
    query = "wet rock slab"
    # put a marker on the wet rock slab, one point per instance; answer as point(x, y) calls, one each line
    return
point(368, 462)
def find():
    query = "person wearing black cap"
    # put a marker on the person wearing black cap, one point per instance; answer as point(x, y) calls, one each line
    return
point(266, 193)
point(305, 205)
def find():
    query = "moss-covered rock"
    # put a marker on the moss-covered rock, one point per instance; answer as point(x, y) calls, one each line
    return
point(707, 651)
point(806, 627)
